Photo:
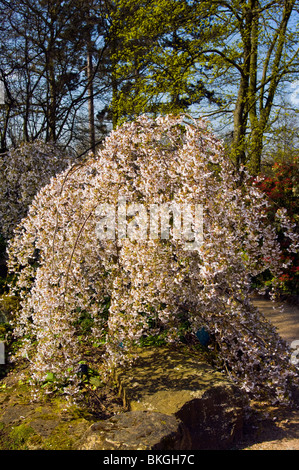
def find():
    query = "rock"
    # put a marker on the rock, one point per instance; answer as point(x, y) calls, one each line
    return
point(44, 427)
point(137, 430)
point(177, 384)
point(14, 415)
point(8, 305)
point(27, 424)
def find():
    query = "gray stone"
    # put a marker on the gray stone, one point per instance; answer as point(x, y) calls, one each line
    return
point(137, 430)
point(173, 383)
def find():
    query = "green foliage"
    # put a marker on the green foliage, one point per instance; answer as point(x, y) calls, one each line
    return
point(50, 377)
point(154, 340)
point(20, 434)
point(16, 437)
point(9, 305)
point(85, 322)
point(155, 61)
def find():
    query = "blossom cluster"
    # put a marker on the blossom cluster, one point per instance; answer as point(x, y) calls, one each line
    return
point(23, 171)
point(63, 269)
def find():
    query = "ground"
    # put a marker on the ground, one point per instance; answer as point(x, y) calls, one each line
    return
point(280, 431)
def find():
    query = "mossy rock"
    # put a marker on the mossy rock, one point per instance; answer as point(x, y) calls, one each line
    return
point(48, 424)
point(137, 430)
point(40, 431)
point(9, 304)
point(21, 434)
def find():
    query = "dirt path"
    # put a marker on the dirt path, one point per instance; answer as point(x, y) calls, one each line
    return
point(281, 430)
point(286, 320)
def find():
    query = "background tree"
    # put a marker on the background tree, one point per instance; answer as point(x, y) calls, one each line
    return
point(171, 55)
point(72, 68)
point(45, 59)
point(155, 60)
point(282, 143)
point(254, 57)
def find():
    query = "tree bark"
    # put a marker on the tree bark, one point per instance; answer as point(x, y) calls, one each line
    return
point(259, 124)
point(90, 99)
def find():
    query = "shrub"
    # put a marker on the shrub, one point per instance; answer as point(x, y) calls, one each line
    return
point(23, 171)
point(282, 190)
point(64, 270)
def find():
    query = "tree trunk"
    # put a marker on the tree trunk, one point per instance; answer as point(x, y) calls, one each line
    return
point(3, 144)
point(242, 104)
point(28, 95)
point(255, 146)
point(238, 147)
point(90, 100)
point(256, 149)
point(51, 107)
point(259, 124)
point(115, 116)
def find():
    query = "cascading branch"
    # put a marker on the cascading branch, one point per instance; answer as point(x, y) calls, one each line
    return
point(63, 269)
